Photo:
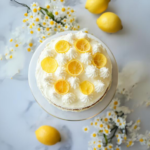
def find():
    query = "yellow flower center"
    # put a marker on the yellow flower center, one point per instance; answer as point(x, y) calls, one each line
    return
point(30, 26)
point(34, 5)
point(34, 10)
point(56, 13)
point(86, 31)
point(110, 146)
point(117, 148)
point(33, 24)
point(94, 148)
point(141, 140)
point(47, 29)
point(67, 12)
point(63, 9)
point(91, 123)
point(55, 29)
point(52, 22)
point(39, 29)
point(16, 45)
point(85, 129)
point(31, 32)
point(99, 146)
point(41, 41)
point(10, 56)
point(28, 49)
point(47, 6)
point(46, 17)
point(115, 107)
point(138, 121)
point(39, 8)
point(135, 127)
point(94, 134)
point(72, 10)
point(44, 23)
point(106, 119)
point(101, 125)
point(118, 120)
point(37, 19)
point(61, 0)
point(26, 14)
point(30, 44)
point(31, 16)
point(10, 40)
point(95, 123)
point(106, 131)
point(115, 103)
point(43, 37)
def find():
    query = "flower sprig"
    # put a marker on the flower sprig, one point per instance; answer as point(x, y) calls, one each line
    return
point(40, 22)
point(113, 128)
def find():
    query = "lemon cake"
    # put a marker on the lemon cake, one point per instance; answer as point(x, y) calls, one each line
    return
point(74, 71)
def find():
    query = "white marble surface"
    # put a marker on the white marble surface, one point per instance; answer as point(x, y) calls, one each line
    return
point(20, 115)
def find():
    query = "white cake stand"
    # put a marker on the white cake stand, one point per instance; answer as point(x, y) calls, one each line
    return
point(67, 115)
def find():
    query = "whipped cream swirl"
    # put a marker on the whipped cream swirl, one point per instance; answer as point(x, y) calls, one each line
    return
point(96, 48)
point(70, 38)
point(72, 53)
point(99, 86)
point(85, 98)
point(54, 94)
point(50, 52)
point(86, 58)
point(81, 35)
point(104, 72)
point(48, 79)
point(61, 59)
point(68, 98)
point(74, 82)
point(91, 71)
point(60, 72)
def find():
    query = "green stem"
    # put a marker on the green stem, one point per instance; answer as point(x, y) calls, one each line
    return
point(115, 130)
point(24, 5)
point(50, 14)
point(106, 140)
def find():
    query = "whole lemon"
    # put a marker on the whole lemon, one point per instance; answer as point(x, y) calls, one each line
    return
point(47, 135)
point(96, 6)
point(109, 22)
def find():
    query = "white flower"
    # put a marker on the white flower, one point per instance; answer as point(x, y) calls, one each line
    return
point(105, 119)
point(107, 131)
point(110, 146)
point(118, 148)
point(48, 79)
point(94, 135)
point(65, 21)
point(66, 27)
point(104, 72)
point(91, 123)
point(130, 142)
point(99, 86)
point(115, 103)
point(99, 145)
point(62, 1)
point(124, 109)
point(110, 114)
point(68, 98)
point(91, 71)
point(44, 23)
point(61, 59)
point(71, 54)
point(120, 122)
point(119, 140)
point(101, 125)
point(95, 124)
point(86, 98)
point(74, 82)
point(134, 128)
point(97, 119)
point(56, 13)
point(96, 48)
point(60, 72)
point(34, 5)
point(142, 139)
point(51, 23)
point(86, 58)
point(86, 129)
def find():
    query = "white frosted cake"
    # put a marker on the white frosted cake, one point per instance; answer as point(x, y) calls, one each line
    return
point(74, 72)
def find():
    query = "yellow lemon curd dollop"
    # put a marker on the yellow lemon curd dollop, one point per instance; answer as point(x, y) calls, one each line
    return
point(62, 86)
point(109, 22)
point(74, 67)
point(82, 45)
point(99, 60)
point(97, 6)
point(49, 64)
point(47, 135)
point(86, 87)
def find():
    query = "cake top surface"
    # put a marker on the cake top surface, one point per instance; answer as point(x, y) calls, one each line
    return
point(73, 71)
